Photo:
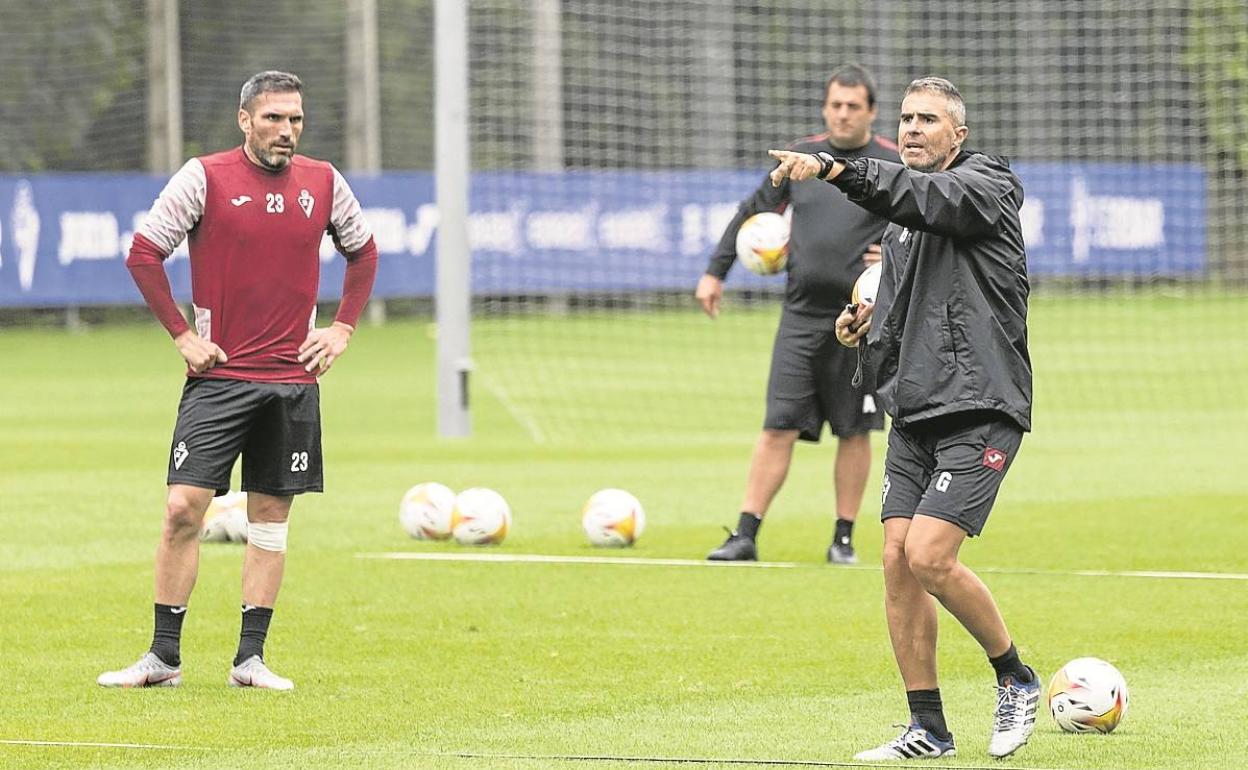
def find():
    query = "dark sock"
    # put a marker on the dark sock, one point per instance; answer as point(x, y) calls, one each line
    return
point(925, 708)
point(844, 532)
point(1007, 664)
point(167, 638)
point(255, 629)
point(748, 524)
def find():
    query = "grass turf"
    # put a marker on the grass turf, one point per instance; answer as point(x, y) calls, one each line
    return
point(1137, 463)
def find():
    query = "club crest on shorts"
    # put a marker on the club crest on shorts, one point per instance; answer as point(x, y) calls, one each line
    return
point(180, 453)
point(995, 459)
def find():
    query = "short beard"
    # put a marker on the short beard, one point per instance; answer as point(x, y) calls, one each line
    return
point(927, 169)
point(270, 160)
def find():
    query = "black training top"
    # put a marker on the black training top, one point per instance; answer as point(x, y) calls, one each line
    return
point(829, 233)
point(949, 333)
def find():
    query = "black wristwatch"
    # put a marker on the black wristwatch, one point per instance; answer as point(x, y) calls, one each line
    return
point(826, 162)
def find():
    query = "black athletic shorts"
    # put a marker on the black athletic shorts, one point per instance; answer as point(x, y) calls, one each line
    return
point(275, 426)
point(949, 467)
point(810, 382)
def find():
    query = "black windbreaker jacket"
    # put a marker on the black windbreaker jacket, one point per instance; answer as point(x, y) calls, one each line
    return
point(949, 331)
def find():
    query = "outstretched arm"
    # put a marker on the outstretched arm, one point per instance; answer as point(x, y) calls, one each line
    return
point(800, 166)
point(962, 202)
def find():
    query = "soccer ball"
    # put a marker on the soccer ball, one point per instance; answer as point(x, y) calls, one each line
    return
point(613, 518)
point(867, 287)
point(425, 511)
point(225, 521)
point(763, 243)
point(481, 517)
point(1088, 695)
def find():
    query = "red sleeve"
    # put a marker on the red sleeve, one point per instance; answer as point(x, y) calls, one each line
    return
point(357, 284)
point(146, 264)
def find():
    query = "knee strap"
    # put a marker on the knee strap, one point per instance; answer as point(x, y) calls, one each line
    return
point(268, 536)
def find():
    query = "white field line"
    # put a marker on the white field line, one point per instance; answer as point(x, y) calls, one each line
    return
point(514, 558)
point(91, 745)
point(517, 558)
point(519, 415)
point(1155, 574)
point(711, 761)
point(539, 757)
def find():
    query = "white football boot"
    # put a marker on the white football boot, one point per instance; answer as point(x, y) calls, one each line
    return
point(1015, 717)
point(149, 671)
point(253, 673)
point(914, 743)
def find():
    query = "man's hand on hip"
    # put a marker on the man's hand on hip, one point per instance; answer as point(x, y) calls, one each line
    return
point(200, 354)
point(323, 346)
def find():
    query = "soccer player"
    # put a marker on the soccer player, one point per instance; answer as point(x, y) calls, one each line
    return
point(810, 384)
point(254, 217)
point(948, 338)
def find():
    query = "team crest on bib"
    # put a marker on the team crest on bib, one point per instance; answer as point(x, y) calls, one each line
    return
point(306, 202)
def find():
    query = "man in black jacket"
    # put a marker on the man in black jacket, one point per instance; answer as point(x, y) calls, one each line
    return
point(811, 375)
point(949, 345)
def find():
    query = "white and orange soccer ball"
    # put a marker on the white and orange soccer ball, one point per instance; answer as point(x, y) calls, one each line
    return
point(225, 521)
point(425, 511)
point(763, 243)
point(480, 517)
point(867, 287)
point(1088, 695)
point(613, 518)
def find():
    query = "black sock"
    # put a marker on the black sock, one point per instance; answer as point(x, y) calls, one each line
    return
point(844, 532)
point(1007, 664)
point(255, 629)
point(167, 638)
point(925, 708)
point(748, 524)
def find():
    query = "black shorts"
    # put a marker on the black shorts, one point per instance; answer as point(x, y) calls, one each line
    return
point(275, 426)
point(810, 382)
point(950, 468)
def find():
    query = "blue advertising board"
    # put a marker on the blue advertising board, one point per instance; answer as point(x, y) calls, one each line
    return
point(64, 237)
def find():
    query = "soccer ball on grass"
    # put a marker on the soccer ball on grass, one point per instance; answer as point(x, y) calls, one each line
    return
point(1088, 695)
point(481, 517)
point(613, 518)
point(425, 511)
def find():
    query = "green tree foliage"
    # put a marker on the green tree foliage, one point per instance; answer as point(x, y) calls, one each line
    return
point(72, 85)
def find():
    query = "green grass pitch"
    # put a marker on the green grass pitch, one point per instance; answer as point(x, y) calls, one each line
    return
point(1139, 462)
